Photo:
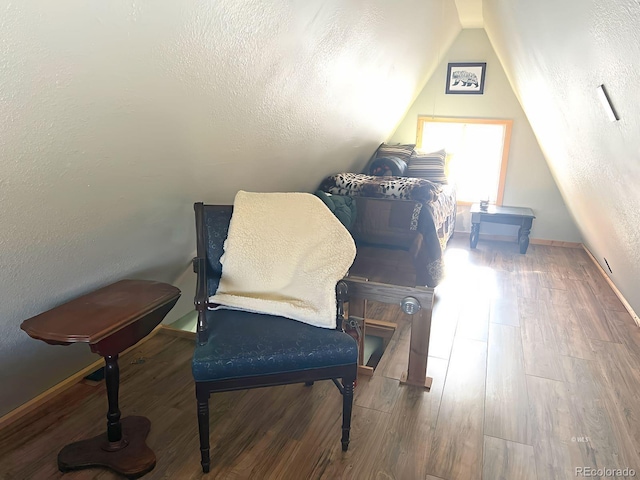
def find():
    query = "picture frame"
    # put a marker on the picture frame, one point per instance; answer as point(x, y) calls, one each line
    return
point(466, 78)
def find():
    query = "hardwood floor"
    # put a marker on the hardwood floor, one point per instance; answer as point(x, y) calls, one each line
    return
point(536, 373)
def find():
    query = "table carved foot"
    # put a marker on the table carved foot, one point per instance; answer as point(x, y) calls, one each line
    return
point(130, 457)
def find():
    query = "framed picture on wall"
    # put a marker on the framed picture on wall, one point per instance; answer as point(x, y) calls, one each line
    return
point(466, 78)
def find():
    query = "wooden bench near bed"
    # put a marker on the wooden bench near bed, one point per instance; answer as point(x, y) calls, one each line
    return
point(406, 213)
point(390, 251)
point(401, 228)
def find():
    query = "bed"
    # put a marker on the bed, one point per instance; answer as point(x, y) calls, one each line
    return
point(405, 216)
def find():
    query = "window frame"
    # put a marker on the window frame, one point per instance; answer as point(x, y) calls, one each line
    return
point(506, 143)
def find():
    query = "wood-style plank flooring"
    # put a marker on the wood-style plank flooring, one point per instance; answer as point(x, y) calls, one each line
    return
point(536, 373)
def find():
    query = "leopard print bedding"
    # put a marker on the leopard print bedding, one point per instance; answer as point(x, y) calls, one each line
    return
point(403, 188)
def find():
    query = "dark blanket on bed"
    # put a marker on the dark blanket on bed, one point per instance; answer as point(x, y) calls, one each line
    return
point(344, 208)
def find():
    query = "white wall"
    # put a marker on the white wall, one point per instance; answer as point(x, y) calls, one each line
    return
point(556, 54)
point(116, 116)
point(529, 182)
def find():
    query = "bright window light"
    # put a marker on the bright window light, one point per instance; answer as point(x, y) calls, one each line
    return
point(477, 152)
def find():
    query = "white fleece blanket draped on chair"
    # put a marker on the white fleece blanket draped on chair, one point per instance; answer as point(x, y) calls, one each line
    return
point(284, 255)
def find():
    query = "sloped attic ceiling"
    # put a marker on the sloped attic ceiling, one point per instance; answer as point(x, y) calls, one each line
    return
point(556, 54)
point(470, 13)
point(116, 116)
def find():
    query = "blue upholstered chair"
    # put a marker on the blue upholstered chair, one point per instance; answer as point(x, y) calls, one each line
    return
point(238, 350)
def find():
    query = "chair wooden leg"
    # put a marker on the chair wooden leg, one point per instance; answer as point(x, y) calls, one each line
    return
point(347, 404)
point(203, 428)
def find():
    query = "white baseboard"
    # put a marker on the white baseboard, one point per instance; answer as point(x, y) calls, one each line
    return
point(532, 241)
point(623, 300)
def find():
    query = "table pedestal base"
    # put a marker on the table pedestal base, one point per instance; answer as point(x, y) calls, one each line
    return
point(132, 458)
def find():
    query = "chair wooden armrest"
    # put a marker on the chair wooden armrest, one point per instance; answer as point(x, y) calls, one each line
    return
point(201, 299)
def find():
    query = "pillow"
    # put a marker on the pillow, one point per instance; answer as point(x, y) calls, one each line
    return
point(283, 255)
point(401, 151)
point(388, 167)
point(428, 165)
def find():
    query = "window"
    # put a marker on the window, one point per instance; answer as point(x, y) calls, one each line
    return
point(477, 153)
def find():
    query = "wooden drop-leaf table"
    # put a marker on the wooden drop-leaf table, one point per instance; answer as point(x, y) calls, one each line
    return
point(110, 320)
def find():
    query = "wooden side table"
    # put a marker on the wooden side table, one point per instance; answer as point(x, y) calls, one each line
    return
point(506, 215)
point(110, 320)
